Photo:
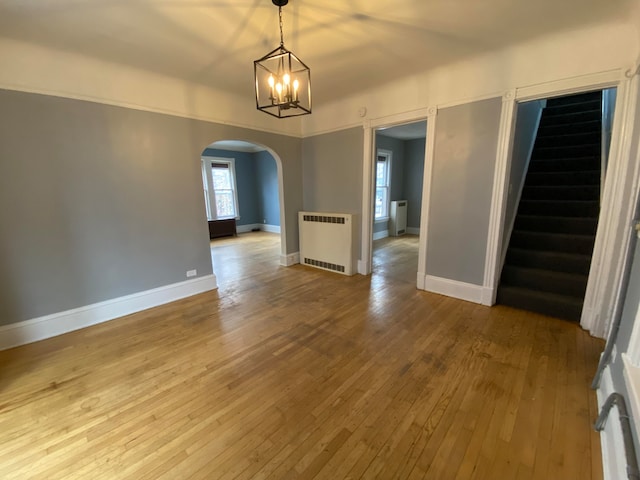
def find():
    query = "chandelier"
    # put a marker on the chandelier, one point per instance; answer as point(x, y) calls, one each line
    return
point(283, 81)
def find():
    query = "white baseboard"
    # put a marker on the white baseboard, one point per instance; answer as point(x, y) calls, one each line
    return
point(248, 228)
point(55, 324)
point(259, 226)
point(453, 288)
point(382, 234)
point(413, 230)
point(270, 228)
point(364, 268)
point(290, 259)
point(614, 463)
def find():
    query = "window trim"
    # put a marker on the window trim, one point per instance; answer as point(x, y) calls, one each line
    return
point(207, 177)
point(388, 154)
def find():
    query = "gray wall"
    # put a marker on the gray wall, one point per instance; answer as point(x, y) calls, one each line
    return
point(267, 182)
point(413, 179)
point(460, 198)
point(97, 201)
point(527, 121)
point(332, 173)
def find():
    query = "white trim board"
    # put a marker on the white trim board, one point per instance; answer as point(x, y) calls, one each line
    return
point(260, 226)
point(381, 234)
point(453, 288)
point(614, 463)
point(48, 326)
point(290, 259)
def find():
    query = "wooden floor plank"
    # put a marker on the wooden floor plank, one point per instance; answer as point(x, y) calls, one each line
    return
point(297, 373)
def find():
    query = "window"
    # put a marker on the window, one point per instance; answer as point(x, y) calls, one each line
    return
point(383, 180)
point(219, 181)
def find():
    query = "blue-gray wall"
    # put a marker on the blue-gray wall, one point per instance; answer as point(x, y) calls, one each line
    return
point(460, 198)
point(412, 182)
point(267, 182)
point(257, 182)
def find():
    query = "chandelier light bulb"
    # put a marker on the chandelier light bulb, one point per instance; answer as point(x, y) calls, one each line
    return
point(271, 81)
point(286, 79)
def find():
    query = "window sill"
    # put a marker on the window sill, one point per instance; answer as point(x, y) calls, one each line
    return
point(381, 220)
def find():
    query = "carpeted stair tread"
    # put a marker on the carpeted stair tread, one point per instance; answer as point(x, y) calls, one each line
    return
point(589, 177)
point(561, 192)
point(590, 126)
point(575, 164)
point(562, 283)
point(582, 97)
point(588, 116)
point(554, 110)
point(552, 224)
point(560, 208)
point(557, 261)
point(553, 242)
point(553, 305)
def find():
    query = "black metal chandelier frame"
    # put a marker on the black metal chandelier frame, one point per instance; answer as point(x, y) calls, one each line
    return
point(283, 69)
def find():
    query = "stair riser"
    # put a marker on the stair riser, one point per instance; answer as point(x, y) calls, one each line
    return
point(544, 260)
point(561, 193)
point(593, 127)
point(571, 225)
point(548, 153)
point(561, 178)
point(544, 281)
point(591, 105)
point(590, 116)
point(595, 95)
point(559, 165)
point(558, 209)
point(564, 139)
point(552, 243)
point(567, 311)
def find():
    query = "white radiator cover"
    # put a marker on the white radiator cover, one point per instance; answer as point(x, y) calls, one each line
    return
point(398, 218)
point(327, 241)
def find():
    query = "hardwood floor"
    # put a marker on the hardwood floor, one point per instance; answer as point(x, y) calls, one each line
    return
point(293, 372)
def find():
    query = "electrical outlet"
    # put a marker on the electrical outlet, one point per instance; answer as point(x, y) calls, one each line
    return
point(192, 273)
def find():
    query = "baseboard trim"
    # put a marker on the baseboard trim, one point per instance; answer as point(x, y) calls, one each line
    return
point(258, 226)
point(380, 235)
point(247, 228)
point(290, 259)
point(413, 230)
point(364, 267)
point(454, 288)
point(270, 228)
point(614, 463)
point(48, 326)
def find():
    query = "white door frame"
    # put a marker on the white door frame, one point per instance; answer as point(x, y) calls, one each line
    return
point(610, 249)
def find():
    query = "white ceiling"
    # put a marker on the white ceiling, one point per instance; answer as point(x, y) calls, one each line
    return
point(409, 131)
point(350, 45)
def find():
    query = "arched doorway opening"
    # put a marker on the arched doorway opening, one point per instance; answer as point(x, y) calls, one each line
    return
point(243, 195)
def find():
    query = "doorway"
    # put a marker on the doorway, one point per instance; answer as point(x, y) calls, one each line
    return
point(558, 164)
point(242, 186)
point(398, 176)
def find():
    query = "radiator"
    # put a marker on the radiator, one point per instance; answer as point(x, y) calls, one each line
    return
point(398, 218)
point(327, 241)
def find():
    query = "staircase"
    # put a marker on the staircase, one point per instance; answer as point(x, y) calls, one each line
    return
point(549, 253)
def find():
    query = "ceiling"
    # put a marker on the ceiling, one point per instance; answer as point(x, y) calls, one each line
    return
point(350, 45)
point(409, 131)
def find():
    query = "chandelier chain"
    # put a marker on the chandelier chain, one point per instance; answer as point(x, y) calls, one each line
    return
point(281, 36)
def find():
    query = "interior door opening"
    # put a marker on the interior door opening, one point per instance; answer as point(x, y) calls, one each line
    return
point(399, 157)
point(242, 186)
point(558, 164)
